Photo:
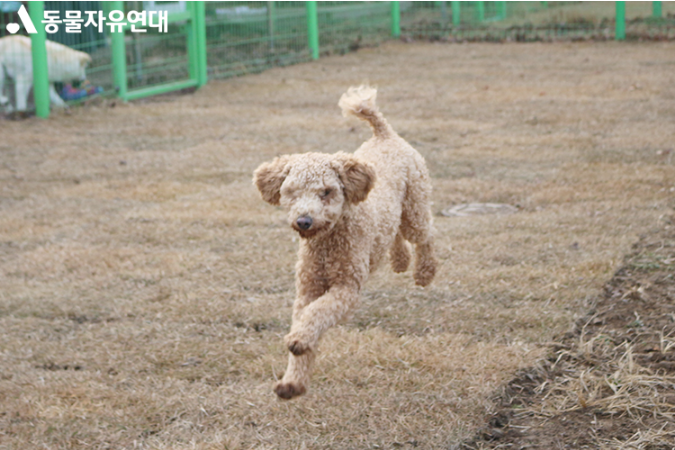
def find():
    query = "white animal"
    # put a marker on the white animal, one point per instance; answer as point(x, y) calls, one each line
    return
point(16, 61)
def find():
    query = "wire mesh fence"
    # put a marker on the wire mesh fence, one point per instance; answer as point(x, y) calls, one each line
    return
point(155, 58)
point(346, 26)
point(246, 37)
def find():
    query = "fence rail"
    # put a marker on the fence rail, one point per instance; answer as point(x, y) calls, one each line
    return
point(208, 40)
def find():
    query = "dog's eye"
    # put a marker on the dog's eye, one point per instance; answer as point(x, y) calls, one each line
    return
point(326, 193)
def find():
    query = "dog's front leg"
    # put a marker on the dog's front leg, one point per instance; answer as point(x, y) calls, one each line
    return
point(4, 100)
point(55, 98)
point(296, 377)
point(310, 320)
point(314, 319)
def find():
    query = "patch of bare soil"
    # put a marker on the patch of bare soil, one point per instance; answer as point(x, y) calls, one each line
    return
point(609, 383)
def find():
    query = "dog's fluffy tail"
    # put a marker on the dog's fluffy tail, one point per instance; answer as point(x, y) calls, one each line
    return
point(360, 102)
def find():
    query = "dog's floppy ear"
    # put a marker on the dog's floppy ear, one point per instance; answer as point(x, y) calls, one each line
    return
point(357, 176)
point(269, 177)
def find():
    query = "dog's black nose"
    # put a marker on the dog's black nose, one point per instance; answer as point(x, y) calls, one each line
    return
point(304, 222)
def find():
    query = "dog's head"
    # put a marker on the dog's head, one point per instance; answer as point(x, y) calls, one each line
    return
point(315, 188)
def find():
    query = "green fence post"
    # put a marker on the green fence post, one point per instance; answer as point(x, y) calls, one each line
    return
point(119, 53)
point(200, 32)
point(313, 29)
point(480, 11)
point(456, 14)
point(501, 10)
point(620, 33)
point(195, 36)
point(656, 9)
point(39, 53)
point(396, 19)
point(192, 50)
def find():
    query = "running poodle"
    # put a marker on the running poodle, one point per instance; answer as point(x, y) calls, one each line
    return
point(350, 210)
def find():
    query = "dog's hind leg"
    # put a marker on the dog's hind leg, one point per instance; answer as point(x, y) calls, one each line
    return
point(400, 254)
point(425, 263)
point(22, 85)
point(416, 227)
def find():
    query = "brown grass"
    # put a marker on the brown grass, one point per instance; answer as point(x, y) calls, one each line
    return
point(614, 383)
point(146, 288)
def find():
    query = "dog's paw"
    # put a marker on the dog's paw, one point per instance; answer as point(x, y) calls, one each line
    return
point(297, 344)
point(287, 390)
point(425, 272)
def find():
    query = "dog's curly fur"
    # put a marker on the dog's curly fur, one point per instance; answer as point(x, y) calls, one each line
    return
point(350, 210)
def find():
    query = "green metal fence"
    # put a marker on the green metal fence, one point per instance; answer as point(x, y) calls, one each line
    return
point(167, 58)
point(196, 41)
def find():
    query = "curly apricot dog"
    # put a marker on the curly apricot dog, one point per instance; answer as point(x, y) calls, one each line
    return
point(350, 210)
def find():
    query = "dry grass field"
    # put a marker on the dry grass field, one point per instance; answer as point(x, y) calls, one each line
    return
point(145, 288)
